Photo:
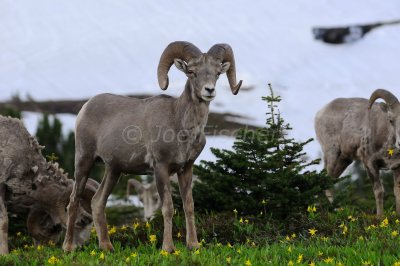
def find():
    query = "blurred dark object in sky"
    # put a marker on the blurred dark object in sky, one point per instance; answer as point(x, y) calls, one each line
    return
point(341, 35)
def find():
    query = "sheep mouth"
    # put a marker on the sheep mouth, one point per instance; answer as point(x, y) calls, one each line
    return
point(207, 98)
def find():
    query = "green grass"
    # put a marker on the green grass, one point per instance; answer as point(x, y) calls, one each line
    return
point(343, 237)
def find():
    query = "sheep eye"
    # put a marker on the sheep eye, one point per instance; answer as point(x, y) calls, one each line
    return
point(191, 73)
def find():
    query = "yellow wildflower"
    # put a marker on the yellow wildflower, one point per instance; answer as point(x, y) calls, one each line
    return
point(339, 264)
point(238, 251)
point(177, 252)
point(384, 223)
point(287, 238)
point(197, 252)
point(253, 244)
point(395, 233)
point(164, 253)
point(102, 256)
point(293, 235)
point(312, 231)
point(153, 238)
point(241, 220)
point(320, 253)
point(127, 260)
point(289, 249)
point(351, 218)
point(311, 209)
point(112, 230)
point(147, 225)
point(390, 152)
point(53, 260)
point(397, 221)
point(246, 221)
point(328, 260)
point(134, 254)
point(311, 264)
point(228, 260)
point(290, 263)
point(366, 263)
point(247, 263)
point(124, 227)
point(299, 258)
point(93, 253)
point(40, 247)
point(19, 233)
point(179, 235)
point(264, 202)
point(135, 225)
point(229, 245)
point(397, 263)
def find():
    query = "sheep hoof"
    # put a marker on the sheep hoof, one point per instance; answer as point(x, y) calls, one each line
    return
point(107, 246)
point(193, 246)
point(67, 247)
point(168, 248)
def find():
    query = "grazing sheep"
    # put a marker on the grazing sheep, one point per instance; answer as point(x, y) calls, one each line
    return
point(161, 135)
point(360, 129)
point(148, 195)
point(31, 186)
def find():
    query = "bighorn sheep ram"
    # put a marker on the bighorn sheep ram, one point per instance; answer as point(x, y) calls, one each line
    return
point(360, 129)
point(31, 186)
point(148, 195)
point(161, 134)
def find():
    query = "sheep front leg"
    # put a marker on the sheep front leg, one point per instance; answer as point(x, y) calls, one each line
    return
point(185, 188)
point(72, 208)
point(379, 191)
point(164, 190)
point(396, 187)
point(3, 221)
point(99, 201)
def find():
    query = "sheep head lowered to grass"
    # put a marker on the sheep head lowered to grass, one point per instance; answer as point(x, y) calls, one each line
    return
point(161, 135)
point(30, 185)
point(351, 129)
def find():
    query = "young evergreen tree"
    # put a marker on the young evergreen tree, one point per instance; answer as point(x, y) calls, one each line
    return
point(265, 167)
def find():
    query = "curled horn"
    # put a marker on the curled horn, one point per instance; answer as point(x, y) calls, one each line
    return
point(224, 53)
point(389, 98)
point(181, 50)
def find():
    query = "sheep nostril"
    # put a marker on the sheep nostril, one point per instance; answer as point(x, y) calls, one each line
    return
point(209, 90)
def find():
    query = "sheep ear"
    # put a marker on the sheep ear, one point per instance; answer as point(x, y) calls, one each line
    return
point(181, 65)
point(138, 186)
point(225, 67)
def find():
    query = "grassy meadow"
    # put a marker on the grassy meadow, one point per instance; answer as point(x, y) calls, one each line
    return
point(336, 237)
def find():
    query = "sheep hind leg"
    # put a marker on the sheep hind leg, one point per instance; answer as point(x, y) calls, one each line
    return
point(82, 169)
point(98, 207)
point(185, 188)
point(3, 222)
point(335, 167)
point(164, 190)
point(373, 173)
point(396, 187)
